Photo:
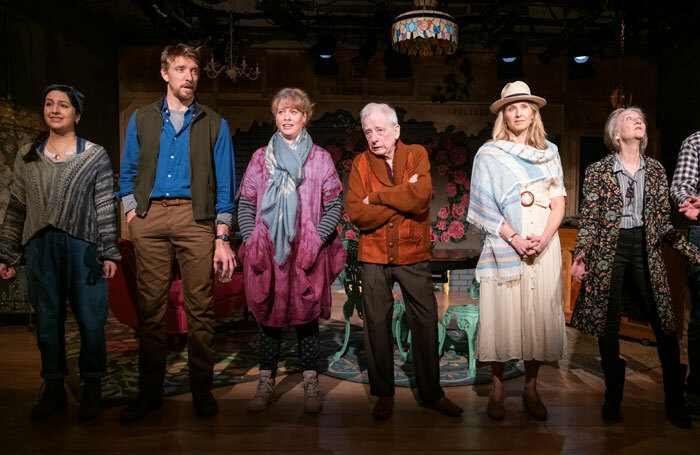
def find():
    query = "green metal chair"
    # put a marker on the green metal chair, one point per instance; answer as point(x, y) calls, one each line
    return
point(468, 320)
point(350, 277)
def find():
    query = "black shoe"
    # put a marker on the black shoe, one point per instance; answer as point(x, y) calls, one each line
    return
point(614, 387)
point(674, 382)
point(91, 404)
point(679, 416)
point(382, 410)
point(52, 399)
point(205, 404)
point(140, 408)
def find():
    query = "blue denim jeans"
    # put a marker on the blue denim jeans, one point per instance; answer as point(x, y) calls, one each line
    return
point(60, 268)
point(693, 381)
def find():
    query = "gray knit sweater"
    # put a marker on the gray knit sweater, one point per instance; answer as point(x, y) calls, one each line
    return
point(76, 197)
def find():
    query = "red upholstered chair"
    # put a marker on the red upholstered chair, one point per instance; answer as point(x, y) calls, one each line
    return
point(123, 298)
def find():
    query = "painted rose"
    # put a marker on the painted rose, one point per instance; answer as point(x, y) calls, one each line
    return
point(347, 165)
point(433, 237)
point(451, 190)
point(443, 169)
point(458, 210)
point(345, 216)
point(350, 234)
point(442, 225)
point(335, 152)
point(456, 229)
point(445, 237)
point(460, 177)
point(349, 144)
point(458, 155)
point(465, 199)
point(441, 156)
point(444, 212)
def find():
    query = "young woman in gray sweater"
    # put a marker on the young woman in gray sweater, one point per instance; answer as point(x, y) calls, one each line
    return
point(62, 216)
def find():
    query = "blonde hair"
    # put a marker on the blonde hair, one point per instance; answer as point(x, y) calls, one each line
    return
point(536, 135)
point(299, 99)
point(612, 126)
point(178, 50)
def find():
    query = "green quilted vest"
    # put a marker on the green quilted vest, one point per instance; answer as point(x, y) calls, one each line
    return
point(204, 130)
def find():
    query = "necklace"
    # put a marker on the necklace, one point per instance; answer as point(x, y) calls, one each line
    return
point(59, 155)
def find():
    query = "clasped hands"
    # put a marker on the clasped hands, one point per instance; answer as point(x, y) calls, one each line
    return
point(530, 246)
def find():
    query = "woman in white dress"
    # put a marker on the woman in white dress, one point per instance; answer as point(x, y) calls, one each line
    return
point(517, 199)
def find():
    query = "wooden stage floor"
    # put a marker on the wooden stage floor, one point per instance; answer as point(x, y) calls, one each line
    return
point(345, 426)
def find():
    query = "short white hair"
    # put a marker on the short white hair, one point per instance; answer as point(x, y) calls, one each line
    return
point(388, 111)
point(611, 135)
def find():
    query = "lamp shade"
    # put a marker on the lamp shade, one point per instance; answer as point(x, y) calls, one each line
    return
point(424, 32)
point(621, 96)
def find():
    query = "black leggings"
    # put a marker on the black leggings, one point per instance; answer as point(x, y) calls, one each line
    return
point(630, 268)
point(309, 346)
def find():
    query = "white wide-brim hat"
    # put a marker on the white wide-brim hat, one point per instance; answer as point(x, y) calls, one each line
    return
point(516, 91)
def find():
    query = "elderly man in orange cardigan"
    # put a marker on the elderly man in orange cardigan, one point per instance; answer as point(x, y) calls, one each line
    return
point(388, 199)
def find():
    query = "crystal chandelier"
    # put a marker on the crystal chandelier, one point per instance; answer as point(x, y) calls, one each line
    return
point(424, 31)
point(231, 67)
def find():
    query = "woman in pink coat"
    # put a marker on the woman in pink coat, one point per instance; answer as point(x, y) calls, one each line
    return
point(289, 208)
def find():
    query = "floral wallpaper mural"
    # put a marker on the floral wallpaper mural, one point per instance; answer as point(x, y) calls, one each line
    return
point(18, 126)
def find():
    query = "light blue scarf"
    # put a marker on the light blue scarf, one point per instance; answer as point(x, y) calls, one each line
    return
point(278, 209)
point(500, 169)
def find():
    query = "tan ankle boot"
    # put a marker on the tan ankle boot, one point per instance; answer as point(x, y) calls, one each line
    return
point(264, 393)
point(313, 404)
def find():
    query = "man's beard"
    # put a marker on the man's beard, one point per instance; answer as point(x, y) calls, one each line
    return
point(183, 96)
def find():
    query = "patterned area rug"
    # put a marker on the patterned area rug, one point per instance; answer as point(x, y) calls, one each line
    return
point(237, 353)
point(454, 364)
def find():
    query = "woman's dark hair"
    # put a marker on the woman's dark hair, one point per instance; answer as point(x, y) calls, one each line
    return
point(76, 100)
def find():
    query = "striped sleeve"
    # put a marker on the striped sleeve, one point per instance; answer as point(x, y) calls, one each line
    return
point(106, 210)
point(246, 217)
point(332, 211)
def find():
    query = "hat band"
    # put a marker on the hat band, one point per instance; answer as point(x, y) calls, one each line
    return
point(517, 94)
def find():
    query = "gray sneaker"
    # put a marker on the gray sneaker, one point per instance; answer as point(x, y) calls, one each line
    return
point(692, 404)
point(264, 393)
point(313, 404)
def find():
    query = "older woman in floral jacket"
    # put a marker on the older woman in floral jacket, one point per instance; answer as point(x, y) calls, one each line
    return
point(625, 214)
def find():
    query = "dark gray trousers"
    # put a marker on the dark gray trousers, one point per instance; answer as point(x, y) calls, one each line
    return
point(416, 285)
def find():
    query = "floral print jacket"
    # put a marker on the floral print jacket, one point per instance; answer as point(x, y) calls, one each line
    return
point(599, 228)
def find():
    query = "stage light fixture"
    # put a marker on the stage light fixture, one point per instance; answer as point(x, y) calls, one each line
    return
point(580, 61)
point(323, 54)
point(509, 52)
point(510, 60)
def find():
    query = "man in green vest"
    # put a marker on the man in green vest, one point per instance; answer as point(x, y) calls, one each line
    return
point(176, 183)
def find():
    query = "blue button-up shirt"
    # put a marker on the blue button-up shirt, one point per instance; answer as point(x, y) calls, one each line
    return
point(173, 168)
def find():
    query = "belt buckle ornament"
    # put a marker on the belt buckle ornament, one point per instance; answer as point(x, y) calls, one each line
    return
point(527, 198)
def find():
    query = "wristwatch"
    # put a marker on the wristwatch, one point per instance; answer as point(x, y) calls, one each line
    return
point(223, 237)
point(510, 239)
